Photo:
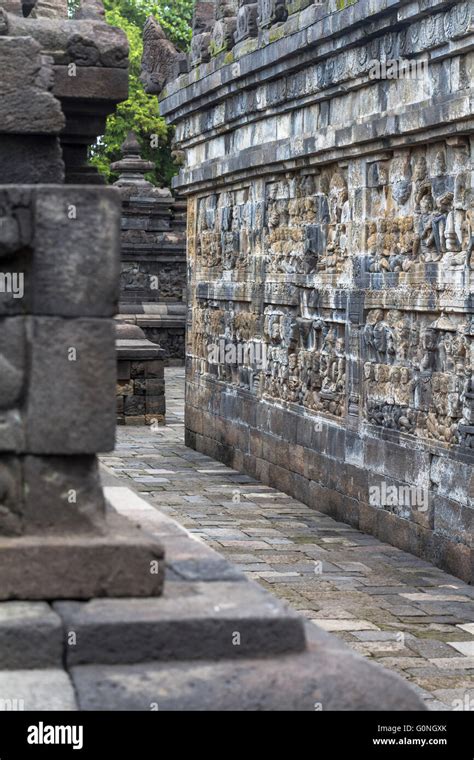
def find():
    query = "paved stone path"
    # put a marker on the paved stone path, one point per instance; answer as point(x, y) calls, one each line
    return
point(386, 604)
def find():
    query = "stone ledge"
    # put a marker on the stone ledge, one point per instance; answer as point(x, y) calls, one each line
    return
point(191, 621)
point(138, 350)
point(36, 690)
point(449, 118)
point(92, 83)
point(117, 564)
point(328, 676)
point(30, 636)
point(333, 33)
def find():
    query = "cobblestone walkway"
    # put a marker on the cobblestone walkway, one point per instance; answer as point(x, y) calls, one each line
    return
point(388, 605)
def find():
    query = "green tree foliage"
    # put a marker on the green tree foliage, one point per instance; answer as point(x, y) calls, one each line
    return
point(141, 111)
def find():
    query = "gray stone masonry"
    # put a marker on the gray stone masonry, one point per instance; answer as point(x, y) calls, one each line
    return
point(214, 640)
point(140, 378)
point(153, 268)
point(83, 62)
point(59, 290)
point(328, 171)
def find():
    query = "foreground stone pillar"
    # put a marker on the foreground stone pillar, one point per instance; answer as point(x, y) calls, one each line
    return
point(59, 286)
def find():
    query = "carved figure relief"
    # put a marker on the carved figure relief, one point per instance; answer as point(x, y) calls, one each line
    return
point(422, 215)
point(246, 21)
point(161, 61)
point(417, 373)
point(224, 229)
point(307, 224)
point(271, 12)
point(403, 211)
point(306, 361)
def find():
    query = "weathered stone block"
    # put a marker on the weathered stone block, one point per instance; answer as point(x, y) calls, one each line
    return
point(453, 480)
point(11, 496)
point(154, 387)
point(123, 371)
point(71, 399)
point(194, 419)
point(13, 382)
point(453, 521)
point(134, 405)
point(124, 388)
point(26, 104)
point(327, 675)
point(31, 636)
point(81, 278)
point(155, 369)
point(41, 159)
point(134, 420)
point(32, 690)
point(338, 238)
point(120, 563)
point(62, 495)
point(155, 404)
point(181, 625)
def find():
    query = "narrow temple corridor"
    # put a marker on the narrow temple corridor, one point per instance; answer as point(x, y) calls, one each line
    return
point(387, 605)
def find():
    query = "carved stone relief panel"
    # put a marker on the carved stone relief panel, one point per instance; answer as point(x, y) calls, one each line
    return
point(271, 12)
point(418, 373)
point(247, 20)
point(222, 37)
point(419, 209)
point(135, 278)
point(307, 224)
point(171, 282)
point(152, 281)
point(322, 337)
point(225, 225)
point(305, 359)
point(227, 344)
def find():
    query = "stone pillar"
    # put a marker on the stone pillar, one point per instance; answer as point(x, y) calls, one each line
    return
point(153, 269)
point(89, 78)
point(59, 288)
point(140, 378)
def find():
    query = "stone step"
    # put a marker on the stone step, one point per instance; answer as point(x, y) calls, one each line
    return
point(116, 563)
point(42, 690)
point(31, 636)
point(328, 676)
point(192, 621)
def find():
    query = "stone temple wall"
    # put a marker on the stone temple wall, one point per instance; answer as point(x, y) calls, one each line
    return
point(330, 240)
